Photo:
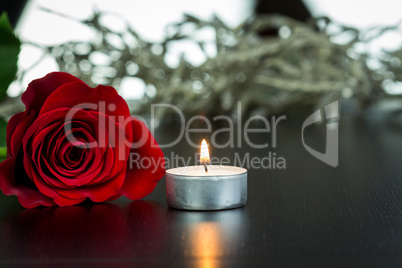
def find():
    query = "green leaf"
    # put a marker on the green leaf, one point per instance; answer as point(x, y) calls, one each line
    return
point(3, 144)
point(9, 50)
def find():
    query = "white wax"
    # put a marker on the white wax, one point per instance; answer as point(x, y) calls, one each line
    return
point(213, 171)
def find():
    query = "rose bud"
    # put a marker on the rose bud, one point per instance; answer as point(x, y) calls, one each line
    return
point(73, 143)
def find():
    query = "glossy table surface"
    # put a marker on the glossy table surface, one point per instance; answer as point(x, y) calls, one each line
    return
point(309, 214)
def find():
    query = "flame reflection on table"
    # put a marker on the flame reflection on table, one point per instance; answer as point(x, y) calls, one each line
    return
point(123, 234)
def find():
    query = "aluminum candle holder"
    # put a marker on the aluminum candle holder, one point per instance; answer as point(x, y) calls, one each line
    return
point(192, 188)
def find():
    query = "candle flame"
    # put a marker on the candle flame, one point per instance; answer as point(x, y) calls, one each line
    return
point(204, 152)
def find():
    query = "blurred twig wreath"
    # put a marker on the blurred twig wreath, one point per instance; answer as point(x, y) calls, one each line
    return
point(302, 65)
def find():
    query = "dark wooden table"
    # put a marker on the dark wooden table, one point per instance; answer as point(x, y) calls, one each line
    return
point(309, 214)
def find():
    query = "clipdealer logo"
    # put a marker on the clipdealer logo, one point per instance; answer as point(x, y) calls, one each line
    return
point(331, 112)
point(236, 135)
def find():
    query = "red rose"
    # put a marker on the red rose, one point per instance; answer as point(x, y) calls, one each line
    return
point(74, 142)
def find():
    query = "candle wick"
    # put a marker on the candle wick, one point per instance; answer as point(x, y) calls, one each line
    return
point(205, 166)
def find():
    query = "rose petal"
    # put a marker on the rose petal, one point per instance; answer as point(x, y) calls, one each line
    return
point(14, 144)
point(98, 182)
point(119, 140)
point(35, 159)
point(141, 181)
point(28, 197)
point(40, 89)
point(12, 125)
point(33, 98)
point(97, 193)
point(103, 99)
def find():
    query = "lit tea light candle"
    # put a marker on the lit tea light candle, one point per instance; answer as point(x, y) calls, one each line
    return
point(206, 187)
